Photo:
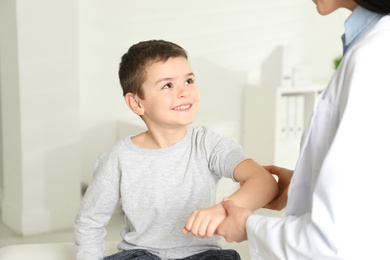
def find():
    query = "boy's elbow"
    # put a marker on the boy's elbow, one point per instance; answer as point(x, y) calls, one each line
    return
point(272, 187)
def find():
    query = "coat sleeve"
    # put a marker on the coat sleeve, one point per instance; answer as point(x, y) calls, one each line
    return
point(347, 219)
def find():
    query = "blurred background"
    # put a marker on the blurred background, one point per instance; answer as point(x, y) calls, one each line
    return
point(62, 105)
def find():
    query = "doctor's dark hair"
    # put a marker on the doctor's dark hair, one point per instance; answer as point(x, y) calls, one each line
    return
point(377, 6)
point(132, 69)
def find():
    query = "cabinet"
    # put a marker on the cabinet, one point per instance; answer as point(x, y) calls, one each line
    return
point(274, 120)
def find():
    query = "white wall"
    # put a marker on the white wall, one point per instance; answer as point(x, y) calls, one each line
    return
point(227, 42)
point(40, 114)
point(1, 151)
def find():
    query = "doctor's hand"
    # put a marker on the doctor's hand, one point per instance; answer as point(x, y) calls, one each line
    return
point(233, 228)
point(284, 177)
point(204, 222)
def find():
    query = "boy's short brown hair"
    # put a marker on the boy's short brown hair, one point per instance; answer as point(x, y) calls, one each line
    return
point(132, 71)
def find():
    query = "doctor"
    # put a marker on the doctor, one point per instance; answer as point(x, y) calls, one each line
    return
point(338, 199)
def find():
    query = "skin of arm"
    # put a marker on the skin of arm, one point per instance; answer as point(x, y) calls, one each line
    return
point(233, 227)
point(258, 189)
point(284, 177)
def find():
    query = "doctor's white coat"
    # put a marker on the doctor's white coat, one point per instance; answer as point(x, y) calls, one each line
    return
point(339, 197)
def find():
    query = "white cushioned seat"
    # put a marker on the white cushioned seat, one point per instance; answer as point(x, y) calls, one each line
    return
point(55, 251)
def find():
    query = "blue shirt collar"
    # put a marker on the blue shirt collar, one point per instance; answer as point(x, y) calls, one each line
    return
point(357, 23)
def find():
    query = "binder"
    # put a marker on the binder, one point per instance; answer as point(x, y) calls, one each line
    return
point(300, 113)
point(291, 116)
point(283, 117)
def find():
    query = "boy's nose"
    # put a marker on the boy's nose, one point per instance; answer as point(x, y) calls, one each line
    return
point(182, 91)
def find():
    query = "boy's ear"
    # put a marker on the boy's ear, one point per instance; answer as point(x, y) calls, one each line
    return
point(133, 103)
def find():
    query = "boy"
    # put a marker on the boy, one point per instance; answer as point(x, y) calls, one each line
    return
point(167, 176)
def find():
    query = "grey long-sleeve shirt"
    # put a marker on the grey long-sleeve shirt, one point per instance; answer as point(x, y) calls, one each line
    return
point(159, 189)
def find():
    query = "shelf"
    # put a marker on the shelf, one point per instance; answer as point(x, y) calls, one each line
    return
point(274, 120)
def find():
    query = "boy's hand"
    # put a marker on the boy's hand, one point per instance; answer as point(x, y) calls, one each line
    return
point(204, 222)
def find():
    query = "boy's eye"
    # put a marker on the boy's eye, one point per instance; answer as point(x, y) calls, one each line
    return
point(169, 85)
point(190, 81)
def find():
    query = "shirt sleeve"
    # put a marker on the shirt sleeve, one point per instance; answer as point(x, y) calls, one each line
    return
point(95, 212)
point(223, 154)
point(347, 219)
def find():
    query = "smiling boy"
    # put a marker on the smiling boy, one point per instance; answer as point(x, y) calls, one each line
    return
point(167, 176)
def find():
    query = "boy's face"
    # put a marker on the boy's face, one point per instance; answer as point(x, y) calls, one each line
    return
point(171, 98)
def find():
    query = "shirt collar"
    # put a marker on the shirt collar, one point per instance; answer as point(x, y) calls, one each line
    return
point(357, 23)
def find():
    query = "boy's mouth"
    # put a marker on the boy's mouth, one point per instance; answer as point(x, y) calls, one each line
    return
point(182, 107)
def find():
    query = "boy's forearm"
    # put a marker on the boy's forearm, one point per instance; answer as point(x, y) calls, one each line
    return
point(259, 186)
point(258, 190)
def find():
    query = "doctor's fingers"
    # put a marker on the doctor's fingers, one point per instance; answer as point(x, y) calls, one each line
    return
point(231, 231)
point(279, 202)
point(233, 228)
